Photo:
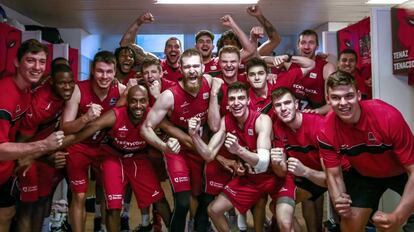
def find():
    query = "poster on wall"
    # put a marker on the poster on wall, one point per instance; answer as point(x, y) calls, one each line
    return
point(402, 23)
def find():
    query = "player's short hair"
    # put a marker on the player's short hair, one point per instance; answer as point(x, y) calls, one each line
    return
point(148, 61)
point(31, 46)
point(204, 33)
point(309, 32)
point(255, 61)
point(238, 86)
point(229, 34)
point(118, 51)
point(348, 51)
point(190, 52)
point(58, 68)
point(280, 92)
point(104, 56)
point(172, 38)
point(339, 78)
point(60, 60)
point(229, 49)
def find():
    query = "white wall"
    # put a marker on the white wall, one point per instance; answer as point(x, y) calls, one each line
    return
point(386, 86)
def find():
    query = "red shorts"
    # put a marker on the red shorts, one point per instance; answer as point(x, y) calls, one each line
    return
point(216, 177)
point(185, 170)
point(39, 181)
point(117, 172)
point(244, 191)
point(285, 187)
point(81, 157)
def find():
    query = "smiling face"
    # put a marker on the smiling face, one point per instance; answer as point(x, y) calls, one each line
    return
point(229, 63)
point(151, 74)
point(192, 70)
point(344, 100)
point(31, 66)
point(285, 107)
point(204, 45)
point(172, 51)
point(238, 102)
point(347, 62)
point(137, 103)
point(307, 46)
point(103, 74)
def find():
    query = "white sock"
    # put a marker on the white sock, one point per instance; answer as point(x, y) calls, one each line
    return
point(98, 210)
point(125, 210)
point(145, 219)
point(241, 222)
point(46, 224)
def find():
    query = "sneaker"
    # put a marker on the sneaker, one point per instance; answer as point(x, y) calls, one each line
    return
point(141, 228)
point(124, 224)
point(190, 225)
point(97, 222)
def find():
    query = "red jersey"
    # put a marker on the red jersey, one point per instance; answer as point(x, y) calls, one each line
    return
point(170, 73)
point(10, 41)
point(131, 74)
point(124, 137)
point(313, 85)
point(222, 95)
point(187, 106)
point(212, 67)
point(165, 84)
point(379, 145)
point(13, 106)
point(43, 116)
point(88, 96)
point(284, 79)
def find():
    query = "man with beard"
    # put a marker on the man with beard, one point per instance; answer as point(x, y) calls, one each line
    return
point(37, 184)
point(89, 99)
point(246, 135)
point(204, 44)
point(379, 144)
point(347, 62)
point(295, 134)
point(30, 65)
point(313, 84)
point(189, 98)
point(127, 155)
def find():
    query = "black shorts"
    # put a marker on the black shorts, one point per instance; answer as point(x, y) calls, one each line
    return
point(366, 192)
point(6, 198)
point(315, 190)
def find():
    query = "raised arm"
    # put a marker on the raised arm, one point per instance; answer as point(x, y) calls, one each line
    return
point(157, 113)
point(273, 36)
point(248, 49)
point(208, 152)
point(214, 106)
point(128, 39)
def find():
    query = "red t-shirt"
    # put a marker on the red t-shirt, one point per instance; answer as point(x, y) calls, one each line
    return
point(170, 73)
point(165, 84)
point(379, 145)
point(13, 106)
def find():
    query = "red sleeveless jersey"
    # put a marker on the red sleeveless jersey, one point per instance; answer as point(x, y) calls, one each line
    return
point(187, 106)
point(88, 96)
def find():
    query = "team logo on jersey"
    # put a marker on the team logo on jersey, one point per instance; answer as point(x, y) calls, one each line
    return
point(250, 131)
point(18, 109)
point(371, 137)
point(205, 95)
point(113, 101)
point(213, 67)
point(313, 75)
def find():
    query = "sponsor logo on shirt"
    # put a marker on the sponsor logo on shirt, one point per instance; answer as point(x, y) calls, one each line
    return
point(216, 184)
point(155, 193)
point(371, 137)
point(185, 104)
point(18, 109)
point(205, 96)
point(112, 102)
point(28, 189)
point(114, 197)
point(250, 131)
point(181, 179)
point(313, 75)
point(213, 67)
point(124, 128)
point(48, 106)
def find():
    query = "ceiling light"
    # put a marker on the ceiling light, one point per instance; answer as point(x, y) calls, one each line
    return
point(387, 2)
point(198, 2)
